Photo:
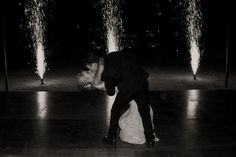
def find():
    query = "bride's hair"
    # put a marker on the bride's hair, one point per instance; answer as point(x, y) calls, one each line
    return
point(79, 78)
point(81, 82)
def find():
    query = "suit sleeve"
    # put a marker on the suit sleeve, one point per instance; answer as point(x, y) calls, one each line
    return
point(108, 75)
point(110, 87)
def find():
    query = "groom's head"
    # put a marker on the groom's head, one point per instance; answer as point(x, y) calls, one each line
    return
point(89, 69)
point(90, 62)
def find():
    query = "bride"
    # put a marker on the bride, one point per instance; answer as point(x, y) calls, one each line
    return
point(130, 122)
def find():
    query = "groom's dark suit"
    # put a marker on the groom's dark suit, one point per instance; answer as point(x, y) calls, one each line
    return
point(132, 84)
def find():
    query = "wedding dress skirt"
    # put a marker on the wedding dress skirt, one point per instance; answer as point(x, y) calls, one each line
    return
point(131, 125)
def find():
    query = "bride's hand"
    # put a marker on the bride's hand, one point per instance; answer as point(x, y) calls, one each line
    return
point(101, 64)
point(100, 86)
point(97, 79)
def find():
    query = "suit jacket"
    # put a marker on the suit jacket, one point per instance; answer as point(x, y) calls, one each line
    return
point(122, 72)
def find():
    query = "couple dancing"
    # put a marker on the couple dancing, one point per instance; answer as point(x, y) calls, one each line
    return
point(131, 110)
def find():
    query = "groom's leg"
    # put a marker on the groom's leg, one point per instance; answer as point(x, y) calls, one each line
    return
point(120, 104)
point(142, 100)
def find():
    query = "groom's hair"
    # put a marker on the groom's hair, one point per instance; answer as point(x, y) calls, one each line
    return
point(90, 58)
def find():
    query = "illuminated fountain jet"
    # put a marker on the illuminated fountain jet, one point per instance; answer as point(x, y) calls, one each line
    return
point(34, 11)
point(113, 25)
point(194, 33)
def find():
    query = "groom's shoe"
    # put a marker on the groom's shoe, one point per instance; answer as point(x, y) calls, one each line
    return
point(109, 141)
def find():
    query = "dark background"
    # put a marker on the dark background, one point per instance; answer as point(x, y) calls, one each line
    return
point(155, 28)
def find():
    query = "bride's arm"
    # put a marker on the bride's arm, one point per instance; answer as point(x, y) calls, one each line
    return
point(97, 80)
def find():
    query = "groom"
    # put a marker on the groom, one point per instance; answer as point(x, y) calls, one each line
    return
point(116, 70)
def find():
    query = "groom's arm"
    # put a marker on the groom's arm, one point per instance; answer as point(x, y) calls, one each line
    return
point(109, 83)
point(107, 76)
point(110, 87)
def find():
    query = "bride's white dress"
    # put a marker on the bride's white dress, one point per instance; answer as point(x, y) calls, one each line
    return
point(131, 124)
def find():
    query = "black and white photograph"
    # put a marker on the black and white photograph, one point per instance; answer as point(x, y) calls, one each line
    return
point(117, 78)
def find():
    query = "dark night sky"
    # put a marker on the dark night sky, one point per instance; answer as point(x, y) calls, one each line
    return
point(72, 25)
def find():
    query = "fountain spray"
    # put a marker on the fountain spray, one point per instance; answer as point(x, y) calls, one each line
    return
point(34, 11)
point(113, 24)
point(194, 24)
